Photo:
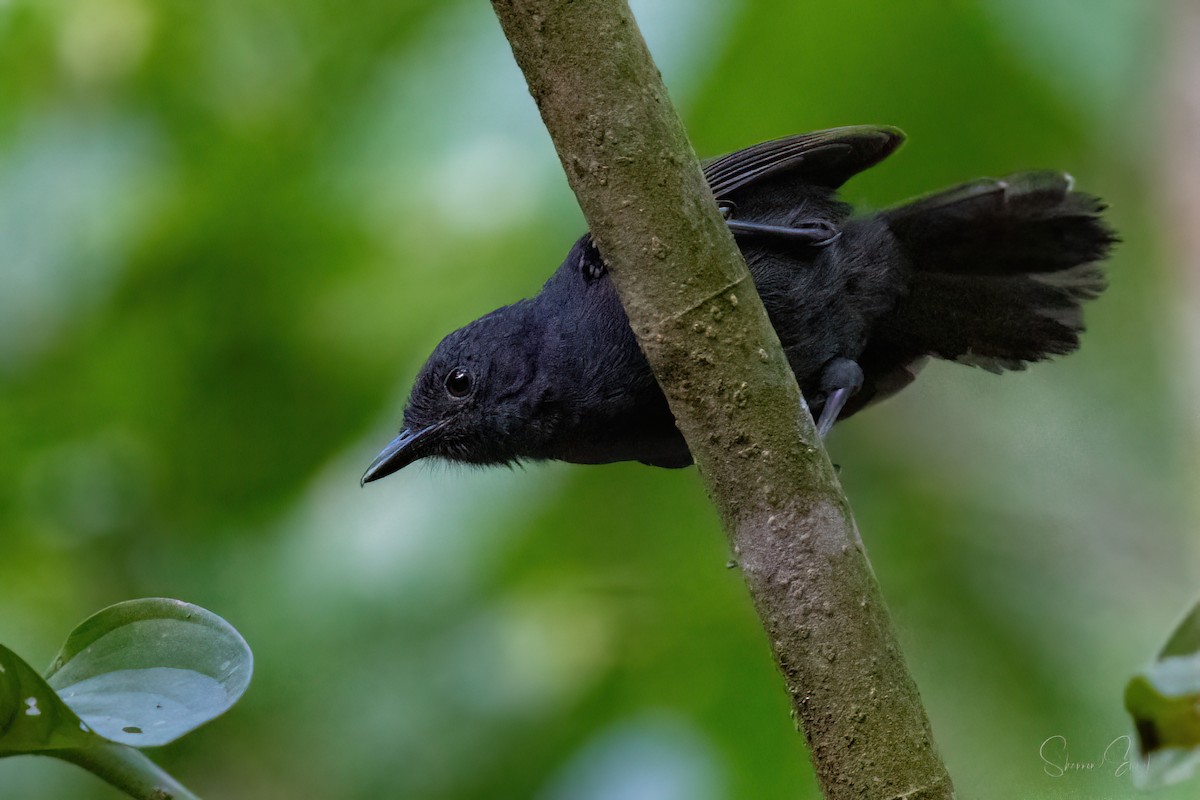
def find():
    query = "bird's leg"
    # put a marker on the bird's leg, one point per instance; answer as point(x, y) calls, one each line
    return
point(814, 233)
point(841, 379)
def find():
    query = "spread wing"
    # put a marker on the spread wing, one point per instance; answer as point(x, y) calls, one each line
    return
point(823, 158)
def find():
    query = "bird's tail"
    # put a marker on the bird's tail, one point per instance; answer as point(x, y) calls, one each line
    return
point(1000, 269)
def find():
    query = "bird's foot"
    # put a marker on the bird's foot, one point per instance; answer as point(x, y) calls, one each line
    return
point(840, 380)
point(812, 232)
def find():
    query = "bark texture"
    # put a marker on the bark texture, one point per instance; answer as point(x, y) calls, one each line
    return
point(706, 335)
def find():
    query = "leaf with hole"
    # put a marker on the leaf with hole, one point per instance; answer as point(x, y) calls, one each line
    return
point(32, 717)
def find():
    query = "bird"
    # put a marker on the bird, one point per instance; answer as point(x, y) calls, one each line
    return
point(992, 273)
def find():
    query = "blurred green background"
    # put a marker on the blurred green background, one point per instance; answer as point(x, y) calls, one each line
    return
point(230, 232)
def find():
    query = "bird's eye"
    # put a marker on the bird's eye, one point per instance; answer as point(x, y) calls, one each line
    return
point(459, 382)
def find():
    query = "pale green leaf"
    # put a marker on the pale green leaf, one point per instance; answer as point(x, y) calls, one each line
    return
point(145, 672)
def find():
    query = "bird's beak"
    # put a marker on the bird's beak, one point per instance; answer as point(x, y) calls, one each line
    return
point(403, 450)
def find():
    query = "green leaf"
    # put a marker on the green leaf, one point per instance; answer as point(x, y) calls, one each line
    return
point(32, 717)
point(1164, 702)
point(1185, 641)
point(145, 672)
point(1162, 717)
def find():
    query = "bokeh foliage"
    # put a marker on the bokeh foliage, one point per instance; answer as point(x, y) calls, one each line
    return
point(230, 232)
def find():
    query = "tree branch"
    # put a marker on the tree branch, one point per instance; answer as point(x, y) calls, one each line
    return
point(703, 329)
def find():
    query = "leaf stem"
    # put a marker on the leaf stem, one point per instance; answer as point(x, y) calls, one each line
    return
point(127, 769)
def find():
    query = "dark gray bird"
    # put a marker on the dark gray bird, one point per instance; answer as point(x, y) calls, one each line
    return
point(992, 273)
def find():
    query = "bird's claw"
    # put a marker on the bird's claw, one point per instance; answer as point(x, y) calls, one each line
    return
point(813, 233)
point(840, 380)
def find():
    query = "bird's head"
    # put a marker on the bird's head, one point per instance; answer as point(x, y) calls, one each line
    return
point(475, 400)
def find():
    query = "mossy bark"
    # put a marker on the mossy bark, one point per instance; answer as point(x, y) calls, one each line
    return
point(706, 335)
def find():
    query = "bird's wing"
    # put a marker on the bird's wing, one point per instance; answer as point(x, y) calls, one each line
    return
point(822, 158)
